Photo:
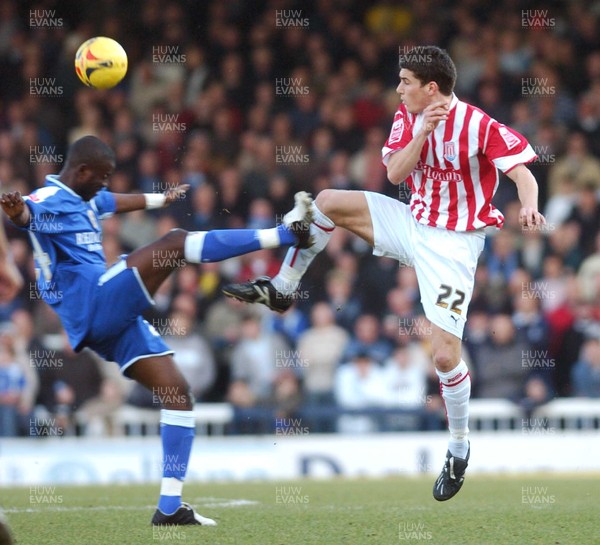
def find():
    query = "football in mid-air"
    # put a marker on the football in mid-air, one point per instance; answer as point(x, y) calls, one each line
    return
point(101, 62)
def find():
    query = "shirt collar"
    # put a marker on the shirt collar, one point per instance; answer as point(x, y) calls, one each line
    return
point(53, 179)
point(453, 101)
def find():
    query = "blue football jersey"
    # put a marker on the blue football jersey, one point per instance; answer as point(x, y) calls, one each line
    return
point(66, 237)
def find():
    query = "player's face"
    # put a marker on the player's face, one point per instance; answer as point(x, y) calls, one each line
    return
point(92, 178)
point(415, 96)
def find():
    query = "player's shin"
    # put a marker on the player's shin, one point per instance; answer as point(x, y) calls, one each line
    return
point(455, 387)
point(298, 260)
point(211, 246)
point(177, 434)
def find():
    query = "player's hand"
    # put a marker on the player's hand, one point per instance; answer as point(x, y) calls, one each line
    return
point(530, 218)
point(433, 114)
point(11, 281)
point(176, 193)
point(13, 204)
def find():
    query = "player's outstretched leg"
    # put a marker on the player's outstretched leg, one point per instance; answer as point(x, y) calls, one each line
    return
point(347, 209)
point(455, 387)
point(155, 262)
point(177, 425)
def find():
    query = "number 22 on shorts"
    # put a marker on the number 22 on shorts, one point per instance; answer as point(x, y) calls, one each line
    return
point(446, 293)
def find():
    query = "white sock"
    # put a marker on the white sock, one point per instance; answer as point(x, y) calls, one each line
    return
point(297, 260)
point(193, 246)
point(456, 389)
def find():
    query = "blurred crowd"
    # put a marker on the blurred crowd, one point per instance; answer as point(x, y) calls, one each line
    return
point(249, 102)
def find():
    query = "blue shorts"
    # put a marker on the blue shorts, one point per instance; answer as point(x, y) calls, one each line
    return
point(118, 332)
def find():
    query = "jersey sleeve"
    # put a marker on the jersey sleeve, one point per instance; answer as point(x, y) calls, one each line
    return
point(400, 134)
point(506, 148)
point(46, 214)
point(104, 204)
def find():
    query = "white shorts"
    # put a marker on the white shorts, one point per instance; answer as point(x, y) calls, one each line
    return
point(445, 261)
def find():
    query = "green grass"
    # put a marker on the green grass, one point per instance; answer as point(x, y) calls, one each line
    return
point(488, 510)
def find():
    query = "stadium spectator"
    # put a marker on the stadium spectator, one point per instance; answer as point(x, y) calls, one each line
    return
point(359, 384)
point(537, 391)
point(530, 323)
point(67, 381)
point(586, 372)
point(577, 164)
point(501, 362)
point(254, 364)
point(12, 385)
point(503, 258)
point(588, 276)
point(367, 339)
point(586, 214)
point(341, 298)
point(321, 347)
point(405, 375)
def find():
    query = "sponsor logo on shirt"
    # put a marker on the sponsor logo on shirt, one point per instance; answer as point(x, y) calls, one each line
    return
point(92, 240)
point(441, 174)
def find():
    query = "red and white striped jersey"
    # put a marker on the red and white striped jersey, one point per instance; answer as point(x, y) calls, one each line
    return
point(456, 176)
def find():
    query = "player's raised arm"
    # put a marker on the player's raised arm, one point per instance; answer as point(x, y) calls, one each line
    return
point(14, 207)
point(404, 161)
point(127, 202)
point(527, 188)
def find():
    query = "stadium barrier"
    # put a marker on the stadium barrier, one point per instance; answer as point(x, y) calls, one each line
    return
point(113, 460)
point(485, 415)
point(571, 413)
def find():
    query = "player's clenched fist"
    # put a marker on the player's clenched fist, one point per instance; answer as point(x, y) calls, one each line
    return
point(433, 114)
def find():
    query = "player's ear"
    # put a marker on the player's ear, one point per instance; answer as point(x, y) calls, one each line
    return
point(432, 87)
point(82, 172)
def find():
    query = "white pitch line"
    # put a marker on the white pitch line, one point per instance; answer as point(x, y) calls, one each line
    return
point(62, 509)
point(222, 502)
point(231, 503)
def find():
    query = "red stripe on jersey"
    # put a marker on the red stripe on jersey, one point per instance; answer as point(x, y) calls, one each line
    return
point(420, 190)
point(436, 187)
point(452, 208)
point(488, 175)
point(465, 167)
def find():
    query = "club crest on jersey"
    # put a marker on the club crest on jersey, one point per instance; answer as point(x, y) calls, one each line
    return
point(449, 151)
point(92, 218)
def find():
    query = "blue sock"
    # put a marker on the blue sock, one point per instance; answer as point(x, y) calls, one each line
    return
point(177, 435)
point(211, 246)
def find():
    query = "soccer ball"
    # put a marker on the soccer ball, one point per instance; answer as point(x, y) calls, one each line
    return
point(101, 62)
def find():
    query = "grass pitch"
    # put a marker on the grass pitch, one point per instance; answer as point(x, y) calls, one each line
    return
point(533, 509)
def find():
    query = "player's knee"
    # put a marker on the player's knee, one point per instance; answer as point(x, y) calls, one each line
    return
point(445, 359)
point(175, 236)
point(183, 400)
point(326, 201)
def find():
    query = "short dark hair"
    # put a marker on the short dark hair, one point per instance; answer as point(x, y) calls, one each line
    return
point(89, 150)
point(431, 63)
